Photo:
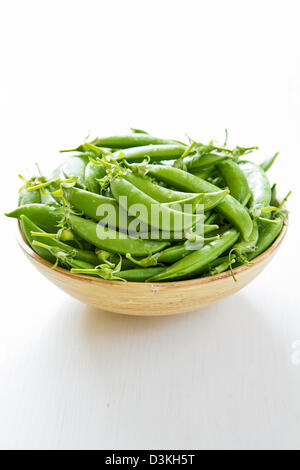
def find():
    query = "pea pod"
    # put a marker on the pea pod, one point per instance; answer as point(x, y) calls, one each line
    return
point(259, 185)
point(154, 152)
point(200, 162)
point(194, 263)
point(230, 208)
point(97, 207)
point(268, 232)
point(236, 181)
point(177, 252)
point(92, 174)
point(46, 217)
point(26, 231)
point(75, 166)
point(165, 219)
point(165, 195)
point(132, 140)
point(205, 173)
point(112, 241)
point(29, 197)
point(31, 230)
point(132, 275)
point(242, 248)
point(65, 258)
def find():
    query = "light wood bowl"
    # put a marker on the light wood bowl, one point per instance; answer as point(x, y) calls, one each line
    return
point(152, 299)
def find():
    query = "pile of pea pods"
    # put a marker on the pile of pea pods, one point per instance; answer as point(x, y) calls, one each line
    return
point(62, 216)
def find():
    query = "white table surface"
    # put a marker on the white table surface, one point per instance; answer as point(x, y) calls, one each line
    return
point(71, 376)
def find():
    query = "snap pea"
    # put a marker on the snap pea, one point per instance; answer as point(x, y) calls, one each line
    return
point(165, 195)
point(92, 174)
point(112, 241)
point(259, 185)
point(29, 197)
point(132, 275)
point(192, 264)
point(46, 217)
point(242, 248)
point(200, 162)
point(177, 252)
point(75, 166)
point(205, 173)
point(25, 227)
point(178, 221)
point(90, 204)
point(235, 180)
point(131, 140)
point(31, 230)
point(220, 267)
point(154, 152)
point(230, 208)
point(268, 232)
point(65, 258)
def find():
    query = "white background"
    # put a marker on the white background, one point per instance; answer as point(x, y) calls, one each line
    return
point(74, 377)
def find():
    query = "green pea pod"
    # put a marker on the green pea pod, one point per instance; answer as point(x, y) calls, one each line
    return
point(132, 275)
point(268, 232)
point(177, 252)
point(64, 257)
point(193, 264)
point(205, 173)
point(92, 174)
point(165, 195)
point(259, 185)
point(132, 140)
point(242, 248)
point(112, 241)
point(156, 153)
point(29, 197)
point(236, 181)
point(230, 208)
point(136, 201)
point(26, 231)
point(32, 230)
point(75, 166)
point(46, 217)
point(200, 162)
point(97, 207)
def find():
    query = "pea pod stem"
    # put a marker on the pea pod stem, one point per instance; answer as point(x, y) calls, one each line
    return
point(64, 257)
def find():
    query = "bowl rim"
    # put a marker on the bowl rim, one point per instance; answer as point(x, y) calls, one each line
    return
point(190, 282)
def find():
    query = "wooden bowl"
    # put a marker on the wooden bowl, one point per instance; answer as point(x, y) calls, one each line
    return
point(152, 299)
